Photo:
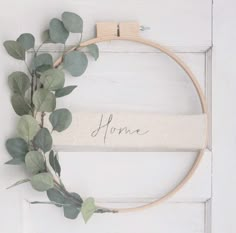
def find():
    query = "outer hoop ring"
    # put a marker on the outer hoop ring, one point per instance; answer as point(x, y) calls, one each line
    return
point(200, 95)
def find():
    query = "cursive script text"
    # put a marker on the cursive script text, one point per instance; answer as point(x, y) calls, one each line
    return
point(105, 128)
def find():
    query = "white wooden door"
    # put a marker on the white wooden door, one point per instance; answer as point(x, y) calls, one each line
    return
point(133, 77)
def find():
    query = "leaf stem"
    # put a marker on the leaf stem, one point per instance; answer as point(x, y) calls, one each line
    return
point(36, 52)
point(81, 37)
point(32, 93)
point(42, 119)
point(28, 69)
point(78, 46)
point(47, 202)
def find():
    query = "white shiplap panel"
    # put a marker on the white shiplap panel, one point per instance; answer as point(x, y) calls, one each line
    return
point(224, 115)
point(168, 218)
point(183, 22)
point(147, 82)
point(130, 175)
point(11, 211)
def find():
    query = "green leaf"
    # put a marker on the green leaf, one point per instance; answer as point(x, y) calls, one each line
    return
point(53, 160)
point(44, 100)
point(46, 37)
point(26, 40)
point(57, 31)
point(64, 91)
point(56, 196)
point(43, 140)
point(53, 79)
point(88, 208)
point(78, 199)
point(34, 162)
point(27, 127)
point(94, 51)
point(72, 22)
point(17, 147)
point(16, 161)
point(19, 105)
point(75, 63)
point(15, 49)
point(60, 119)
point(42, 62)
point(18, 82)
point(18, 183)
point(42, 181)
point(72, 209)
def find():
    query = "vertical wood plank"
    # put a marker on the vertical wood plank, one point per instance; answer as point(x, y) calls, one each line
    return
point(224, 117)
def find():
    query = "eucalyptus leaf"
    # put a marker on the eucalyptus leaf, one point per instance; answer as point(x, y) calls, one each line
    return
point(56, 196)
point(34, 161)
point(53, 79)
point(43, 140)
point(88, 209)
point(46, 37)
point(19, 182)
point(60, 119)
point(15, 49)
point(18, 82)
point(44, 100)
point(27, 127)
point(72, 209)
point(42, 62)
point(16, 161)
point(94, 51)
point(17, 147)
point(54, 162)
point(75, 63)
point(42, 181)
point(26, 40)
point(76, 197)
point(64, 91)
point(19, 104)
point(72, 22)
point(57, 31)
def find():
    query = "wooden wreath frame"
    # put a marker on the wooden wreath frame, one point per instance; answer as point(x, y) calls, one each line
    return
point(103, 37)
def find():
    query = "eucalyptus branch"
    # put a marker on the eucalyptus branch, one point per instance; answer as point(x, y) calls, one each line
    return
point(34, 140)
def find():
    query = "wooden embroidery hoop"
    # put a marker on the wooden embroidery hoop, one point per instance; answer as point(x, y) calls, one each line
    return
point(129, 31)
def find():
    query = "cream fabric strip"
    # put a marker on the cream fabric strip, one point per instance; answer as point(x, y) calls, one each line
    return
point(134, 130)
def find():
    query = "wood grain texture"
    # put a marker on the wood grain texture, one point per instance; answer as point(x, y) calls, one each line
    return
point(129, 29)
point(106, 29)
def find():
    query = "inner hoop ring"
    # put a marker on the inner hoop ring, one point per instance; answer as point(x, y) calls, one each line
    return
point(203, 109)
